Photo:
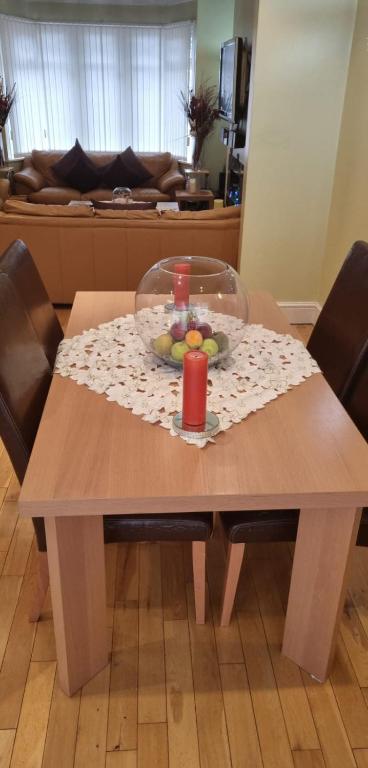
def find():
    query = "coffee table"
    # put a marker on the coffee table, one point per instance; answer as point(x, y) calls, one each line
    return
point(92, 457)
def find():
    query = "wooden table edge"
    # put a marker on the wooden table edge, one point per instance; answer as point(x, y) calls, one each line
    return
point(119, 506)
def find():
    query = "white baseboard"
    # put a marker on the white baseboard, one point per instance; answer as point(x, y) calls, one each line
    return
point(301, 311)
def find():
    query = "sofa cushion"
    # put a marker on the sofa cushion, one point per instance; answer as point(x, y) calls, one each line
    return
point(157, 163)
point(125, 171)
point(40, 209)
point(43, 162)
point(150, 193)
point(55, 195)
point(130, 215)
point(215, 214)
point(77, 169)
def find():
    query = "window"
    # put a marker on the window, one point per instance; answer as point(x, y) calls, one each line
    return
point(110, 86)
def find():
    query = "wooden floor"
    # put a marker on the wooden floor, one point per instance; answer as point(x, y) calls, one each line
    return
point(176, 694)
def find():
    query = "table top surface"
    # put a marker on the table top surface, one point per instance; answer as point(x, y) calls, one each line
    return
point(92, 456)
point(185, 194)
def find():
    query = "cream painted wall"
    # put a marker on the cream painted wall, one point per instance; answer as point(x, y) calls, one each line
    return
point(349, 207)
point(215, 23)
point(300, 70)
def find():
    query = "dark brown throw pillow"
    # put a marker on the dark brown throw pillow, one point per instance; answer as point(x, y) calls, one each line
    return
point(77, 169)
point(125, 171)
point(115, 206)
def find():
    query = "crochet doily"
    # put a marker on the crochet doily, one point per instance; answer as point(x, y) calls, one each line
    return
point(113, 361)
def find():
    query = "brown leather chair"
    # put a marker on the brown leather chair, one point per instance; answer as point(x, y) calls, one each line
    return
point(339, 343)
point(27, 353)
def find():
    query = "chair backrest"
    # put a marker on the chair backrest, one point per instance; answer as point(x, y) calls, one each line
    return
point(25, 377)
point(341, 330)
point(18, 264)
point(355, 395)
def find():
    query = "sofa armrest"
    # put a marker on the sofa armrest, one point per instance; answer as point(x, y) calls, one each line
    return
point(172, 179)
point(4, 191)
point(30, 178)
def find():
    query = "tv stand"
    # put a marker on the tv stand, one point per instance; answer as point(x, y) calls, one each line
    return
point(234, 174)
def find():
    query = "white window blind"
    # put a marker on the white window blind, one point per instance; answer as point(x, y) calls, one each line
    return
point(110, 86)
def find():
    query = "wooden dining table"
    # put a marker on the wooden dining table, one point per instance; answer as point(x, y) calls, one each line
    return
point(93, 457)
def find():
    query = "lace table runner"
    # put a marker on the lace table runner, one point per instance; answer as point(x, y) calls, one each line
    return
point(113, 361)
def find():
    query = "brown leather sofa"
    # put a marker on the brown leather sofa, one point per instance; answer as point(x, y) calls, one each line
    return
point(77, 250)
point(39, 184)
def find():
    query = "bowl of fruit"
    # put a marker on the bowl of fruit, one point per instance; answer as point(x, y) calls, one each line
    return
point(191, 302)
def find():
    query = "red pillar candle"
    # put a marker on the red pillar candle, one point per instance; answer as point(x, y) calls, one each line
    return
point(181, 285)
point(194, 389)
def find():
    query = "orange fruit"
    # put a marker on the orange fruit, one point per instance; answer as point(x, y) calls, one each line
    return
point(194, 339)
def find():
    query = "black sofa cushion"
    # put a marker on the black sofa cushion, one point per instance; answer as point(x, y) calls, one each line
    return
point(125, 171)
point(77, 169)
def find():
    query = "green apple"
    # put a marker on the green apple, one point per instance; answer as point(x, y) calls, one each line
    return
point(162, 345)
point(221, 340)
point(178, 351)
point(210, 347)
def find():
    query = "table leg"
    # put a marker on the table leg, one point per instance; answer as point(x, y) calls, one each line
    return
point(323, 548)
point(77, 579)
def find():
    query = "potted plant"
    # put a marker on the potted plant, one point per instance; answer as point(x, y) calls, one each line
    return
point(6, 103)
point(202, 112)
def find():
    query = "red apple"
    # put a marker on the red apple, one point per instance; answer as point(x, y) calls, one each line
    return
point(205, 330)
point(178, 331)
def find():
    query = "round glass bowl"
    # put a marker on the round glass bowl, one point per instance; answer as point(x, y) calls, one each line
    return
point(122, 195)
point(191, 302)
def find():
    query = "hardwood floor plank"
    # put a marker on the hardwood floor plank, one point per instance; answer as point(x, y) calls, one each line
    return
point(361, 757)
point(13, 489)
point(294, 701)
point(6, 747)
point(8, 521)
point(2, 560)
point(330, 727)
point(173, 581)
point(151, 661)
point(356, 640)
point(6, 470)
point(31, 732)
point(210, 712)
point(14, 671)
point(181, 711)
point(228, 643)
point(20, 547)
point(241, 724)
point(351, 703)
point(152, 746)
point(92, 724)
point(271, 726)
point(309, 758)
point(44, 645)
point(357, 584)
point(111, 552)
point(62, 729)
point(121, 760)
point(10, 587)
point(123, 701)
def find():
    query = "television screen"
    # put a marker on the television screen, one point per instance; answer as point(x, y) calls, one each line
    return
point(230, 65)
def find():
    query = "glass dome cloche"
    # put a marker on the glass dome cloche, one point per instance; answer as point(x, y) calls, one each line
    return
point(191, 302)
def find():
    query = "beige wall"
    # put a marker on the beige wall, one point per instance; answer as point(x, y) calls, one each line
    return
point(215, 20)
point(349, 207)
point(301, 62)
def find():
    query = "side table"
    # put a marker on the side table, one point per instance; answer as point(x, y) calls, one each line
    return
point(194, 201)
point(7, 172)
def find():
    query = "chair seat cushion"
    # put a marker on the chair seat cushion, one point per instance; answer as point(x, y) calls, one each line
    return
point(260, 525)
point(170, 527)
